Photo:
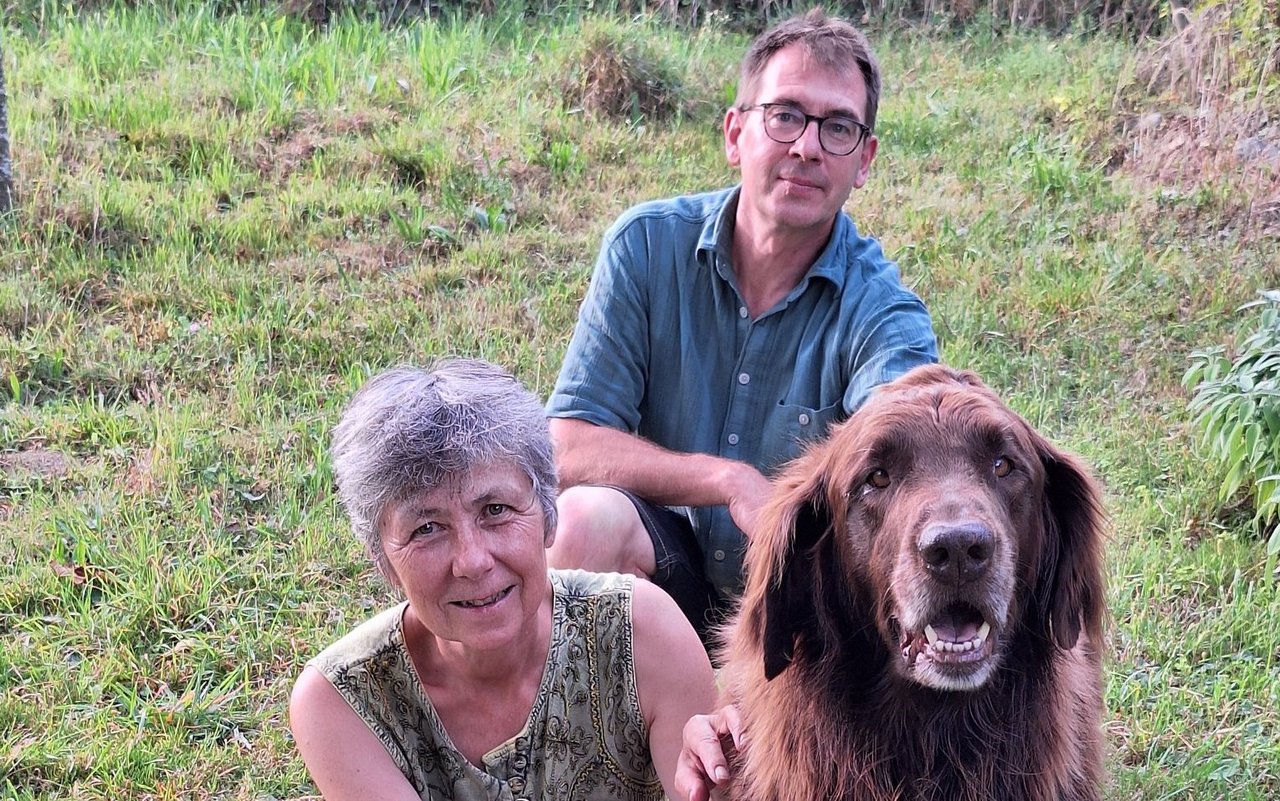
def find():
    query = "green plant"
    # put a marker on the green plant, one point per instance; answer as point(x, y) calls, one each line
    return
point(415, 226)
point(1237, 408)
point(562, 157)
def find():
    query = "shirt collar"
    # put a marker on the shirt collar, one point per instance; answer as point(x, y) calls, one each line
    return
point(717, 231)
point(717, 237)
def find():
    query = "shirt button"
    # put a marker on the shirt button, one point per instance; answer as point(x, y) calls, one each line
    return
point(804, 419)
point(719, 555)
point(733, 439)
point(742, 312)
point(743, 378)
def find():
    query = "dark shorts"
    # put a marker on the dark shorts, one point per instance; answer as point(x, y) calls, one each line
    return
point(680, 571)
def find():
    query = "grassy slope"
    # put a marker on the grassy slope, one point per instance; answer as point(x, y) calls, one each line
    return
point(227, 223)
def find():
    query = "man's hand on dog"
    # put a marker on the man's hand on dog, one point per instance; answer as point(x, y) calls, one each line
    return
point(748, 491)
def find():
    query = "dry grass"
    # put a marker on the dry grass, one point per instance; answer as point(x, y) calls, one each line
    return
point(1202, 132)
point(616, 75)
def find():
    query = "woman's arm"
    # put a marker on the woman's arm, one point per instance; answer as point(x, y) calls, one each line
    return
point(673, 676)
point(344, 758)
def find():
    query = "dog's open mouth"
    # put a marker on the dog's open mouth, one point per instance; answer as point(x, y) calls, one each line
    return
point(957, 636)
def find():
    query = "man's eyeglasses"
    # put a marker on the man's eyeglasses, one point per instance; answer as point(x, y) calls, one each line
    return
point(838, 135)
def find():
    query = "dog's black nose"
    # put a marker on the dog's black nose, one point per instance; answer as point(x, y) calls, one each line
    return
point(956, 554)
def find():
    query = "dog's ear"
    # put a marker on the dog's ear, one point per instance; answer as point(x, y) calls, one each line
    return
point(1071, 590)
point(788, 600)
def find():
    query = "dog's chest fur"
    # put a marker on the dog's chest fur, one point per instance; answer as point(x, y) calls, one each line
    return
point(900, 742)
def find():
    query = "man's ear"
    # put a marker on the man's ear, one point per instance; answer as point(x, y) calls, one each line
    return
point(865, 158)
point(733, 119)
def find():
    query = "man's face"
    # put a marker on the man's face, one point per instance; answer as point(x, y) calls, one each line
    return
point(797, 187)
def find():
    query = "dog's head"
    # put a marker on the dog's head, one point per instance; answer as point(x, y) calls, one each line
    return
point(926, 532)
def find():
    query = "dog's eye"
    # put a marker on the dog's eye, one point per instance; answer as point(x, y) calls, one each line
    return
point(878, 478)
point(1002, 466)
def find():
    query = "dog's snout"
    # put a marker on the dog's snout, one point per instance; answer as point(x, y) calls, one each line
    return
point(957, 554)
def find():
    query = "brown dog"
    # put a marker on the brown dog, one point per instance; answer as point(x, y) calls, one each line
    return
point(923, 611)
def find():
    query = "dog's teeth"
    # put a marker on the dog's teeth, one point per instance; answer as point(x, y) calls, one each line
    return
point(983, 632)
point(930, 635)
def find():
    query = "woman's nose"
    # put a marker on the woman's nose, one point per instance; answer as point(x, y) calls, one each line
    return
point(471, 556)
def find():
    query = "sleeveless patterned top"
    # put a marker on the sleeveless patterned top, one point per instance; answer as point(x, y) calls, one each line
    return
point(585, 739)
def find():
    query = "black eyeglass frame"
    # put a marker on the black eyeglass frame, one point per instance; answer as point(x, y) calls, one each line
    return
point(808, 118)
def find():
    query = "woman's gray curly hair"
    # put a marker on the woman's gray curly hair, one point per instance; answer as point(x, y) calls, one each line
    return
point(408, 430)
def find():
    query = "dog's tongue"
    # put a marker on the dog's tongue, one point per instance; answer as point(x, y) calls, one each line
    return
point(955, 628)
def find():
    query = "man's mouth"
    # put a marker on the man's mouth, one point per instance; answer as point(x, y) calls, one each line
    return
point(480, 603)
point(802, 182)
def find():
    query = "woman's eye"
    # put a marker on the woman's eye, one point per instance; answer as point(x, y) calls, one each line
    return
point(1002, 466)
point(425, 530)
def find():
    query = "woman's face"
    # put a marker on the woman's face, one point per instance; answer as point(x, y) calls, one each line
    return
point(470, 555)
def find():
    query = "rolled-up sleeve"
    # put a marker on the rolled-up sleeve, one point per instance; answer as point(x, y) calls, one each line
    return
point(605, 367)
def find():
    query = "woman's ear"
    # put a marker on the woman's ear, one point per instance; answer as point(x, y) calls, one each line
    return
point(384, 569)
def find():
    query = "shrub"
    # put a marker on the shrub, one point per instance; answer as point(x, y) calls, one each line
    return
point(1237, 408)
point(611, 70)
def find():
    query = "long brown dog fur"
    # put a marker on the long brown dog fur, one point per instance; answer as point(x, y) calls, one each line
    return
point(829, 689)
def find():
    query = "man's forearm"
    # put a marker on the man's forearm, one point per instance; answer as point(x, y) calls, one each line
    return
point(590, 454)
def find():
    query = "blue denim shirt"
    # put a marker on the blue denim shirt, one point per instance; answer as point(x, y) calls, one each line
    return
point(665, 348)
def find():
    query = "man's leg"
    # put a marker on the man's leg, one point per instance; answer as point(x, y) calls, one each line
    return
point(601, 530)
point(609, 529)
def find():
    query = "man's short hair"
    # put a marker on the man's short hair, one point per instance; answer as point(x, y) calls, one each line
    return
point(832, 42)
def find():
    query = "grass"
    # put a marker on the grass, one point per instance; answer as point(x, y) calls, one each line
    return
point(229, 221)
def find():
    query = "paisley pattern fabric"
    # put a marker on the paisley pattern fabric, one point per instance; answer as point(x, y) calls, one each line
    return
point(585, 739)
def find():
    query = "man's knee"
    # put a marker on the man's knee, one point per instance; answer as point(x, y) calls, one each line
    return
point(599, 529)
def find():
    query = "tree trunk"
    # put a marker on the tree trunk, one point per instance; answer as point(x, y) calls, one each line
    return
point(6, 167)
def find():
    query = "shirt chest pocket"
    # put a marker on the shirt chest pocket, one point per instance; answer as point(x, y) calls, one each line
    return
point(792, 425)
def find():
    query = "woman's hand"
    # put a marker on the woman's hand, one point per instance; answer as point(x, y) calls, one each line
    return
point(703, 767)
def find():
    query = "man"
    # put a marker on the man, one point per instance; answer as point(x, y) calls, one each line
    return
point(721, 331)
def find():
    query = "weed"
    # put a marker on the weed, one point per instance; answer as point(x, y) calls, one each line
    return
point(1237, 407)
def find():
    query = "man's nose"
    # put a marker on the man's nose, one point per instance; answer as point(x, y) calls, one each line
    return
point(808, 145)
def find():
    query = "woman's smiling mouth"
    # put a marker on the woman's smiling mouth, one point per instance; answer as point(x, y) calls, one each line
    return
point(480, 603)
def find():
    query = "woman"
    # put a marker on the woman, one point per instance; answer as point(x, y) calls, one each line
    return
point(494, 679)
